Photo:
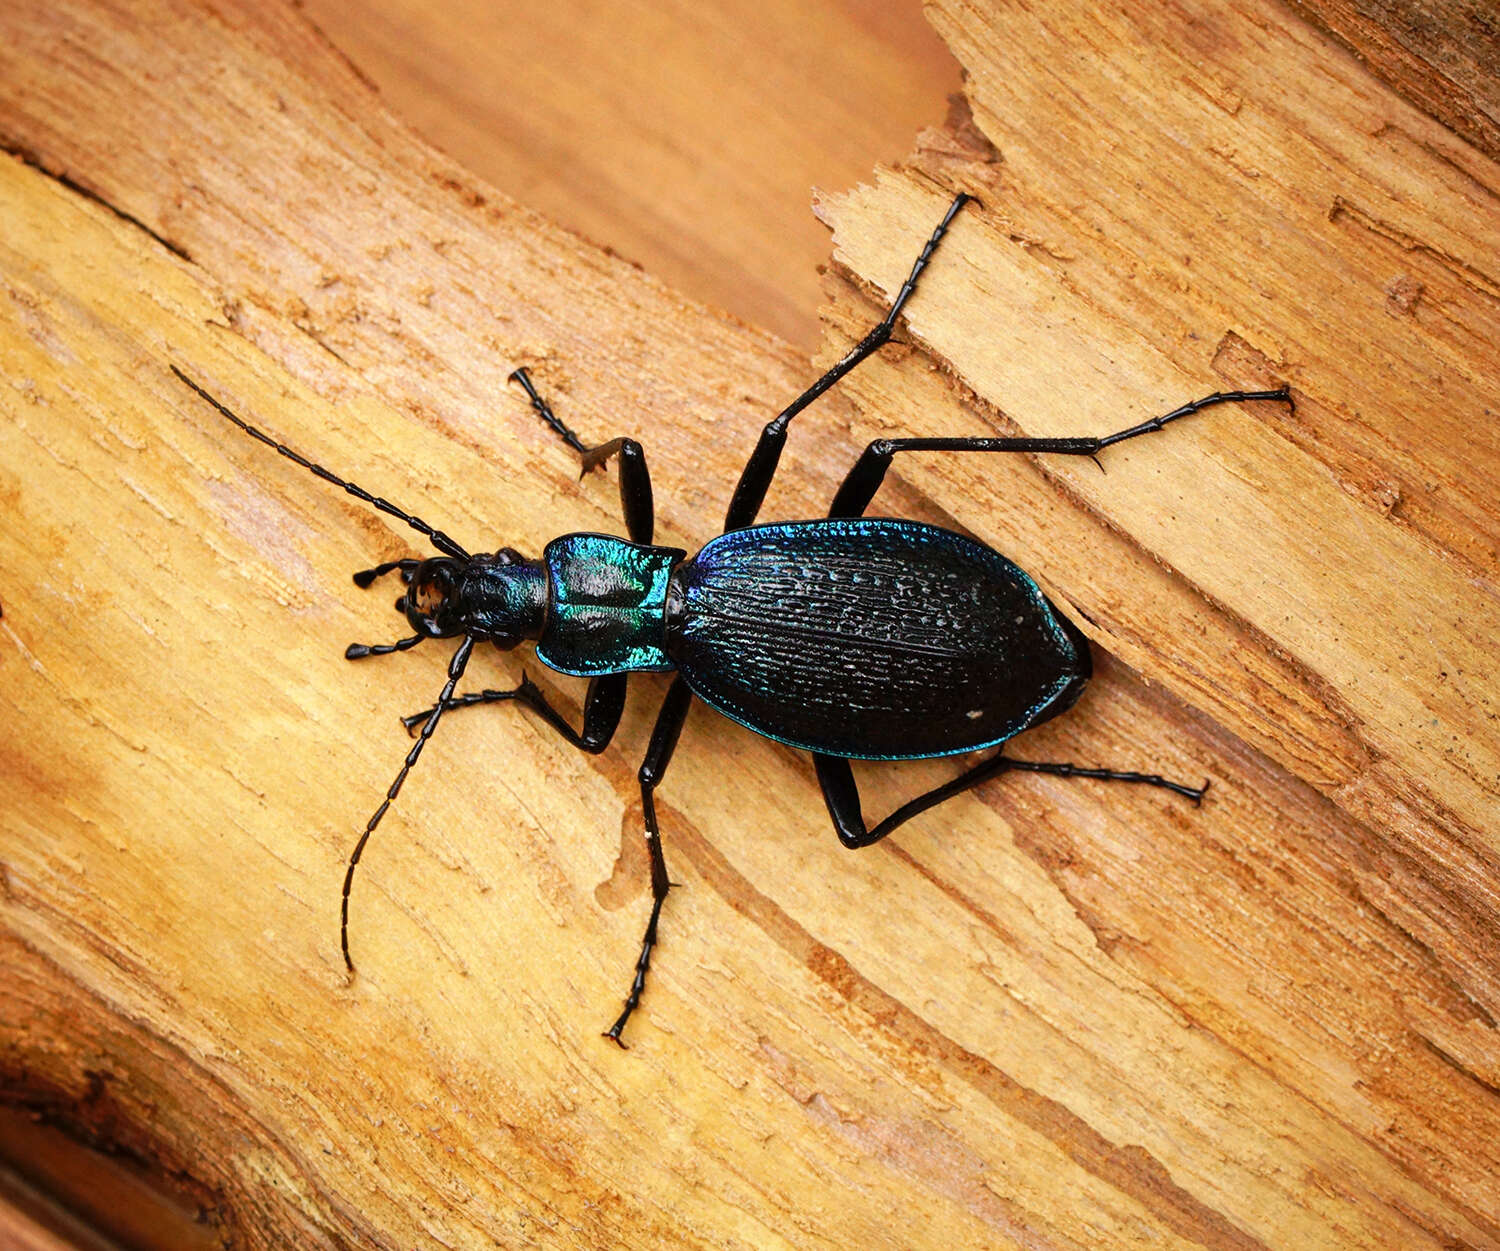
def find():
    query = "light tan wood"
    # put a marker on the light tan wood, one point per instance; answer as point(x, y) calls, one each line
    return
point(1052, 1014)
point(1381, 484)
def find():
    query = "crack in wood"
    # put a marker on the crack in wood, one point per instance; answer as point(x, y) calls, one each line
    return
point(1470, 276)
point(32, 159)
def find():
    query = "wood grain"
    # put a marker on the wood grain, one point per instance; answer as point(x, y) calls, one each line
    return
point(1442, 55)
point(683, 136)
point(1404, 534)
point(1048, 1015)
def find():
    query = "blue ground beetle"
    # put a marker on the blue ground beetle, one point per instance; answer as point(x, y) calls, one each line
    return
point(849, 637)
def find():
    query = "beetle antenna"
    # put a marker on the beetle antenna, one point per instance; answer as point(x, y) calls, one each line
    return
point(437, 538)
point(455, 671)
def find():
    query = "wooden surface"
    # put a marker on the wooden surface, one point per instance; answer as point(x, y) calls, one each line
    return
point(685, 137)
point(1442, 55)
point(1046, 1015)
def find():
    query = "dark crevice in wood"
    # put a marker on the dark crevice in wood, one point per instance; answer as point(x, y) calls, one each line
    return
point(28, 157)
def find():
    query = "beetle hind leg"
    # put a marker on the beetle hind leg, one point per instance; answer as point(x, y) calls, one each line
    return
point(841, 794)
point(1195, 793)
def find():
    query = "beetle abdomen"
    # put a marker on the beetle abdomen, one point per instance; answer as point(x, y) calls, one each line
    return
point(872, 638)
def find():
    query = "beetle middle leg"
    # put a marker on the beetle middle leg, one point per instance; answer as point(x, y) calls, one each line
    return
point(841, 794)
point(756, 477)
point(664, 735)
point(602, 707)
point(864, 479)
point(635, 479)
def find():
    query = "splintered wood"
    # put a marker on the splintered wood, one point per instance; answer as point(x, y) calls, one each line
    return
point(1049, 1014)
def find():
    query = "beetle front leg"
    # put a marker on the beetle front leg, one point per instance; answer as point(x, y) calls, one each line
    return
point(636, 500)
point(664, 735)
point(602, 707)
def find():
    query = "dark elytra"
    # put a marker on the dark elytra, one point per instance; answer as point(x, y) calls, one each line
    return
point(848, 637)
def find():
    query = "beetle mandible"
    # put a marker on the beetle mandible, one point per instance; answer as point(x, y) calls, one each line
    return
point(849, 637)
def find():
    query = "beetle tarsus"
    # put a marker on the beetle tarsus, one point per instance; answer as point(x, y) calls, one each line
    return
point(635, 479)
point(544, 410)
point(642, 967)
point(1064, 770)
point(361, 651)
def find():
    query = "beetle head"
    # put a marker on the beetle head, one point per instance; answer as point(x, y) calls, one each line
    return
point(428, 601)
point(499, 596)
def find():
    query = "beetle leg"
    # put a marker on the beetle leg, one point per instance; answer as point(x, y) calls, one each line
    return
point(635, 485)
point(635, 479)
point(842, 795)
point(868, 473)
point(602, 707)
point(359, 651)
point(756, 477)
point(669, 721)
point(1195, 793)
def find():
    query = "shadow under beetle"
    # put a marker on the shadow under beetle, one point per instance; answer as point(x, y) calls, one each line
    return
point(850, 637)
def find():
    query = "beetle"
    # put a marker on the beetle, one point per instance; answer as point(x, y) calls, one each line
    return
point(848, 637)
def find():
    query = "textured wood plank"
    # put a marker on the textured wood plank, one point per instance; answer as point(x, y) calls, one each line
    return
point(1351, 545)
point(21, 1233)
point(1442, 55)
point(1325, 579)
point(57, 1191)
point(1048, 1015)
